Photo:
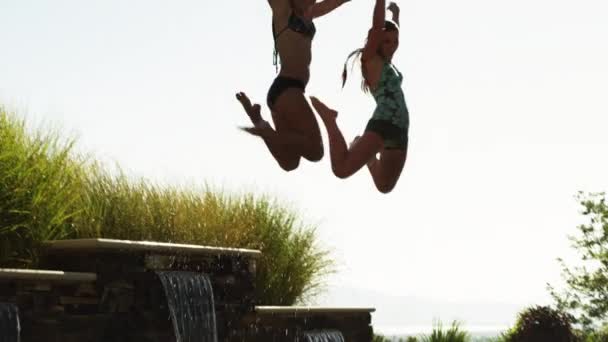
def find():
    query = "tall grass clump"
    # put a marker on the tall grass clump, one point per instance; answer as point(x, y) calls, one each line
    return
point(439, 334)
point(453, 334)
point(47, 192)
point(291, 267)
point(40, 187)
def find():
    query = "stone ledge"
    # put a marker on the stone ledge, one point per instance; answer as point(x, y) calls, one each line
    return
point(13, 274)
point(310, 310)
point(127, 246)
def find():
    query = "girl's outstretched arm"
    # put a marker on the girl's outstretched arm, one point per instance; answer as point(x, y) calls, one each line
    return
point(326, 6)
point(375, 33)
point(379, 15)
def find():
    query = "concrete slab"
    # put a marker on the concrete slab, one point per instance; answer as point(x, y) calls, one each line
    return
point(128, 246)
point(14, 274)
point(310, 309)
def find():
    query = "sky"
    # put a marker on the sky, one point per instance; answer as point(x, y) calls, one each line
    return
point(507, 108)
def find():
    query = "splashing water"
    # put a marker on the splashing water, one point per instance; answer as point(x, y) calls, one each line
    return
point(323, 336)
point(9, 323)
point(190, 299)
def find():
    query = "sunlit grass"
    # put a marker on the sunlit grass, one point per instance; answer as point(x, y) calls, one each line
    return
point(40, 190)
point(48, 192)
point(452, 334)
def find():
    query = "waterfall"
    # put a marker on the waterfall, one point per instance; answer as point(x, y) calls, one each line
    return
point(190, 299)
point(323, 336)
point(9, 323)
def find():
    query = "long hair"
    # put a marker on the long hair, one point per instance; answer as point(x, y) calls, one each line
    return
point(388, 27)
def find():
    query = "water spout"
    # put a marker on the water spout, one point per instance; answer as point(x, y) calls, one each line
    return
point(323, 336)
point(9, 323)
point(190, 299)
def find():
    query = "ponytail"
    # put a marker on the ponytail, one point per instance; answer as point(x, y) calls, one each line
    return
point(350, 55)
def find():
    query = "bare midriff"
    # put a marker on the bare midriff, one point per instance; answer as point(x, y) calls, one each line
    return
point(295, 54)
point(294, 49)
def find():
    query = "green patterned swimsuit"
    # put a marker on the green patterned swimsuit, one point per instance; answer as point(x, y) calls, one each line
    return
point(391, 118)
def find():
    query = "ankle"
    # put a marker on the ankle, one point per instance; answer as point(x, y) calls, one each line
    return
point(260, 123)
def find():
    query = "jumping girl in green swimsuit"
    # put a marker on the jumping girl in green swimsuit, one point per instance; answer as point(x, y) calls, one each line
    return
point(296, 133)
point(387, 130)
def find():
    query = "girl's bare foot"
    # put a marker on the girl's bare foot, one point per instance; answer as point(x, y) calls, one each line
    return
point(253, 111)
point(260, 126)
point(263, 130)
point(327, 114)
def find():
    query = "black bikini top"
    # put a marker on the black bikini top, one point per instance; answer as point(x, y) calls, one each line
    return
point(296, 24)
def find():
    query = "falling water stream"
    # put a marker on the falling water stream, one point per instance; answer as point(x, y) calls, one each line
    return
point(323, 336)
point(9, 323)
point(190, 299)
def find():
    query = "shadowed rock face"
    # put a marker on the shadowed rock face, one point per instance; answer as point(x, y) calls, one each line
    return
point(9, 323)
point(121, 291)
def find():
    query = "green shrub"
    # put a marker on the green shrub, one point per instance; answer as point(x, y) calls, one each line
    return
point(48, 192)
point(540, 324)
point(597, 335)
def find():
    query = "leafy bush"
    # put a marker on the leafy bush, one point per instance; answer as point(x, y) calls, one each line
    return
point(539, 324)
point(585, 296)
point(598, 335)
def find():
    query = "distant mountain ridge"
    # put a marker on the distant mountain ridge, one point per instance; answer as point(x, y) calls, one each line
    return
point(408, 311)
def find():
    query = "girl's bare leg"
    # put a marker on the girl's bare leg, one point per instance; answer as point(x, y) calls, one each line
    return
point(297, 124)
point(345, 162)
point(386, 171)
point(275, 142)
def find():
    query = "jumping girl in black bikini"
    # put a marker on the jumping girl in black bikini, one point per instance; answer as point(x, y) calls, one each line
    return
point(296, 133)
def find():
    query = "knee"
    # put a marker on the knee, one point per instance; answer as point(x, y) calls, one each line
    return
point(316, 154)
point(290, 165)
point(385, 188)
point(340, 172)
